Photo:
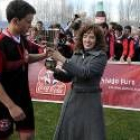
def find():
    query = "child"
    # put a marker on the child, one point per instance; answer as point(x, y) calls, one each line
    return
point(15, 101)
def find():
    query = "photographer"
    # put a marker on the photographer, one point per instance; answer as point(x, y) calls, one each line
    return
point(74, 25)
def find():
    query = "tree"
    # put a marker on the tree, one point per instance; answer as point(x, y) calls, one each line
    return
point(93, 8)
point(69, 11)
point(121, 11)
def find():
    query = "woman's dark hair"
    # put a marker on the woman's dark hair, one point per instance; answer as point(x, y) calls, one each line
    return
point(18, 9)
point(96, 29)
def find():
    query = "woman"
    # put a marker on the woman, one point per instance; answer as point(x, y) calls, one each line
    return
point(82, 114)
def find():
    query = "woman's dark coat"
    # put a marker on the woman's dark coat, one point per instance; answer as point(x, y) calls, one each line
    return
point(82, 114)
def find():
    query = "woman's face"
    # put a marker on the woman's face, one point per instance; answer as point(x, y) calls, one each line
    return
point(89, 40)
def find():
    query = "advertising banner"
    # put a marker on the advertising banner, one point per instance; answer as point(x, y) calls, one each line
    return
point(120, 84)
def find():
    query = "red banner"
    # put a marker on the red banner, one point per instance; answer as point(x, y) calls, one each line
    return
point(120, 84)
point(43, 86)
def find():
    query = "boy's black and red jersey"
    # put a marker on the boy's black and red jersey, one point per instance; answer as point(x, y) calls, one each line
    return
point(125, 47)
point(128, 47)
point(110, 40)
point(14, 79)
point(13, 70)
point(118, 48)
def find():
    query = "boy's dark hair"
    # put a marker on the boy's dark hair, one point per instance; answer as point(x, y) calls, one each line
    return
point(128, 27)
point(119, 27)
point(114, 24)
point(18, 9)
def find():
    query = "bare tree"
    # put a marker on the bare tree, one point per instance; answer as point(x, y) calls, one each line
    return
point(69, 11)
point(138, 13)
point(129, 10)
point(78, 5)
point(135, 16)
point(93, 8)
point(108, 10)
point(0, 14)
point(121, 11)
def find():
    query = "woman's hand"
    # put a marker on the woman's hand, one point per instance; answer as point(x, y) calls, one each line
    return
point(56, 55)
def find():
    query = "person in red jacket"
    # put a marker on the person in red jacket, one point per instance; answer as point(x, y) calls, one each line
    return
point(128, 45)
point(110, 39)
point(34, 43)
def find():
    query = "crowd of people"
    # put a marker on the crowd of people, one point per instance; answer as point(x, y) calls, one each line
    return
point(81, 51)
point(123, 43)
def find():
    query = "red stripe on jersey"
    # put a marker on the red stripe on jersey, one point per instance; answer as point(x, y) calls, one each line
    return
point(1, 36)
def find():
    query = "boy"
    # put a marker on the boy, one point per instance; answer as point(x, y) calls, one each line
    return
point(15, 101)
point(128, 45)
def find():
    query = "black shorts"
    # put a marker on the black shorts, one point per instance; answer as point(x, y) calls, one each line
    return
point(7, 123)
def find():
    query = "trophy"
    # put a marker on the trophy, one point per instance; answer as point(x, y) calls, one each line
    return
point(51, 42)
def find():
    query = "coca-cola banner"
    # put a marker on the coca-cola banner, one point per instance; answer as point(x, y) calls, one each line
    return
point(120, 84)
point(43, 86)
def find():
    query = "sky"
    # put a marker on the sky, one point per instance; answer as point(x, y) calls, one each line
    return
point(86, 6)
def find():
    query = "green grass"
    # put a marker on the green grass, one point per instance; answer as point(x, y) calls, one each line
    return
point(120, 124)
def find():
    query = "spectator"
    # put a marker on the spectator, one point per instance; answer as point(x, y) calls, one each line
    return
point(109, 38)
point(118, 47)
point(128, 45)
point(35, 45)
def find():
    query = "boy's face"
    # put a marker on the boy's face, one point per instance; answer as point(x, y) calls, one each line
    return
point(117, 33)
point(39, 26)
point(126, 32)
point(22, 26)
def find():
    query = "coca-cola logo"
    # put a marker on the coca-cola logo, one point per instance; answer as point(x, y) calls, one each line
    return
point(47, 84)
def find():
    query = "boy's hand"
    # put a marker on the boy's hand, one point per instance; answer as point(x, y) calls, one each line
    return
point(111, 58)
point(129, 60)
point(122, 59)
point(17, 113)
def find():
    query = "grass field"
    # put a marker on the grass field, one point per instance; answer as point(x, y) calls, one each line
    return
point(120, 124)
